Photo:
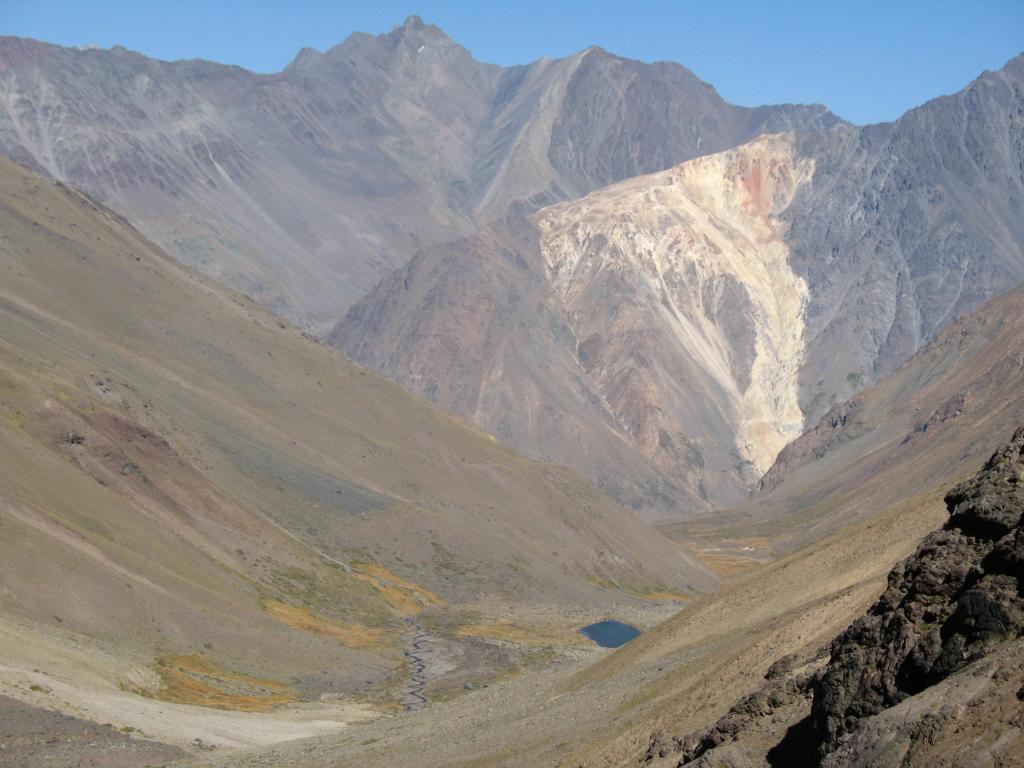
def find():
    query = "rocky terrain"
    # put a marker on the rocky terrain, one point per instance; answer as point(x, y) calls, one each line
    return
point(669, 334)
point(906, 226)
point(305, 187)
point(949, 605)
point(929, 675)
point(681, 278)
point(936, 416)
point(655, 312)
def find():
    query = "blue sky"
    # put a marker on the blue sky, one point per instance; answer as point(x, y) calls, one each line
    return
point(867, 60)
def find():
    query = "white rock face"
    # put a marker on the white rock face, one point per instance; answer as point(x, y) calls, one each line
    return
point(697, 250)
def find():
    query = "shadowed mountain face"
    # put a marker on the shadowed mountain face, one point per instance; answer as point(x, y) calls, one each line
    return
point(906, 227)
point(305, 187)
point(668, 334)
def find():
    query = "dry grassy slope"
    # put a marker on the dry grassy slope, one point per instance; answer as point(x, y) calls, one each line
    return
point(794, 605)
point(170, 450)
point(934, 420)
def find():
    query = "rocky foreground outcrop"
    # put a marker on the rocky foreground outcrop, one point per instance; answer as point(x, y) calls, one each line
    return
point(931, 675)
point(961, 593)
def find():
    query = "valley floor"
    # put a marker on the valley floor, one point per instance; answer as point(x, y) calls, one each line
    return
point(602, 708)
point(53, 683)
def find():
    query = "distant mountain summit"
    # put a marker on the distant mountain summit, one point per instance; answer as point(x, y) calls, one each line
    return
point(305, 187)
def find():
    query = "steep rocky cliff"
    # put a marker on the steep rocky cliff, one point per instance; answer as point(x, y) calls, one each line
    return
point(952, 603)
point(650, 333)
point(682, 277)
point(939, 415)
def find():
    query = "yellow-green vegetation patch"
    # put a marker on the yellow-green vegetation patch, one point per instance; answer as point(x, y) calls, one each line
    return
point(192, 679)
point(528, 635)
point(600, 581)
point(350, 634)
point(324, 590)
point(406, 598)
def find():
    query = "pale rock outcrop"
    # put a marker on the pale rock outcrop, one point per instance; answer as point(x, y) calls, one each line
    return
point(700, 243)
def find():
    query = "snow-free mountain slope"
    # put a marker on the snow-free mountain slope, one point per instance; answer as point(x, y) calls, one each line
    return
point(305, 187)
point(687, 267)
point(907, 226)
point(648, 334)
point(669, 334)
point(936, 416)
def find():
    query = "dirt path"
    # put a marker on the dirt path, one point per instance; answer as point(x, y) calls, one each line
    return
point(416, 651)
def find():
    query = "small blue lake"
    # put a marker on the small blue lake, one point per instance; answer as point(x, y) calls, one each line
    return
point(610, 633)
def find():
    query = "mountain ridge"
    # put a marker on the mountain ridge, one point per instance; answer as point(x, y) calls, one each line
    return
point(304, 187)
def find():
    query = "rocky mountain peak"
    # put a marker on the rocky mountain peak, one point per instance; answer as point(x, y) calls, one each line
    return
point(414, 31)
point(413, 23)
point(305, 58)
point(403, 43)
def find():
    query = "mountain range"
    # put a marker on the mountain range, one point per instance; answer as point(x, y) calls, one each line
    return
point(665, 334)
point(304, 188)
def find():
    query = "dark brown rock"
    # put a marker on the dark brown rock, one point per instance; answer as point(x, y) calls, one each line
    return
point(944, 607)
point(787, 683)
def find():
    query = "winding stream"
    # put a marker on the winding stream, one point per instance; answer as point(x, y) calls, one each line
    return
point(416, 650)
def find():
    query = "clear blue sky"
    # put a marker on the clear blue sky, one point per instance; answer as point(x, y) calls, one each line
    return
point(867, 60)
